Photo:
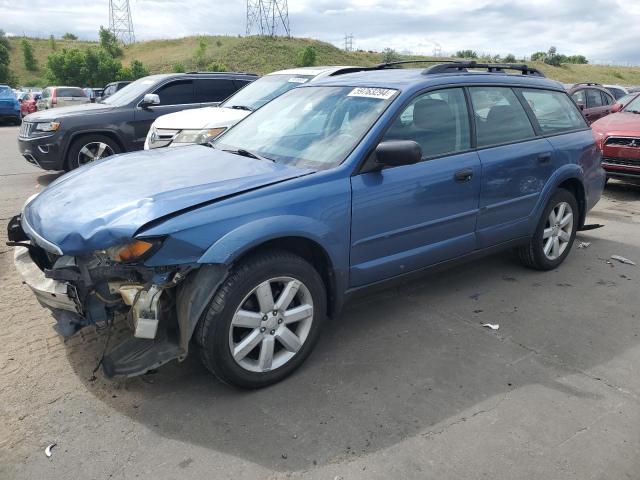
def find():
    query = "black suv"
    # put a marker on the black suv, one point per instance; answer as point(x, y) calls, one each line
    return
point(65, 138)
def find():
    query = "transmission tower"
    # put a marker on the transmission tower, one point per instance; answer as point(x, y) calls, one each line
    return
point(120, 23)
point(267, 17)
point(348, 42)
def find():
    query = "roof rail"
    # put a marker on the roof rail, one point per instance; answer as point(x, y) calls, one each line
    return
point(453, 67)
point(381, 66)
point(591, 84)
point(220, 73)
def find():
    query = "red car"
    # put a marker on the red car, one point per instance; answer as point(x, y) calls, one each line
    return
point(28, 104)
point(593, 99)
point(618, 136)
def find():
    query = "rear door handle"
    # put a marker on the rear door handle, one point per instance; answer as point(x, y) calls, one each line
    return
point(544, 157)
point(463, 175)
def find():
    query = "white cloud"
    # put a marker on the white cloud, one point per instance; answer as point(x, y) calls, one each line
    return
point(603, 30)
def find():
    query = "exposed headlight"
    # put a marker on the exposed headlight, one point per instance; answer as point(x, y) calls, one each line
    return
point(47, 126)
point(135, 250)
point(198, 136)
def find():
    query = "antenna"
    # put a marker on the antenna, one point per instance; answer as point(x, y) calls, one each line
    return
point(267, 17)
point(120, 23)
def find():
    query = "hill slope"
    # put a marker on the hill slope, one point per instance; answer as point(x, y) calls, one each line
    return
point(262, 55)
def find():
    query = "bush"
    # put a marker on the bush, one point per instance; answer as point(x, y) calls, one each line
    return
point(27, 52)
point(510, 58)
point(217, 67)
point(52, 43)
point(4, 41)
point(218, 43)
point(134, 71)
point(307, 57)
point(178, 68)
point(69, 36)
point(389, 55)
point(200, 56)
point(91, 67)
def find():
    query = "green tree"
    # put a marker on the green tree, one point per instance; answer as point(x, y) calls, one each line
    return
point(390, 55)
point(553, 58)
point(581, 59)
point(178, 68)
point(69, 36)
point(538, 56)
point(217, 67)
point(134, 71)
point(4, 41)
point(109, 42)
point(52, 43)
point(200, 56)
point(466, 54)
point(27, 53)
point(5, 73)
point(90, 67)
point(510, 58)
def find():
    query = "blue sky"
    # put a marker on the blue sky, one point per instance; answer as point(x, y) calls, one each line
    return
point(603, 30)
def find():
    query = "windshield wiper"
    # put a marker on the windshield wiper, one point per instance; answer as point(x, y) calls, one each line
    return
point(633, 111)
point(246, 153)
point(242, 107)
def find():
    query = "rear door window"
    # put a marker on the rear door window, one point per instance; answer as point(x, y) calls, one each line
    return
point(607, 99)
point(438, 121)
point(499, 116)
point(213, 90)
point(179, 92)
point(594, 99)
point(554, 111)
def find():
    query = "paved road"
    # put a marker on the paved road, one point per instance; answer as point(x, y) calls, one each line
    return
point(405, 384)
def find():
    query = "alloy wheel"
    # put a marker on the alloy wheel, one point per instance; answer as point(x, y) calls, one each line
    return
point(271, 324)
point(557, 231)
point(94, 151)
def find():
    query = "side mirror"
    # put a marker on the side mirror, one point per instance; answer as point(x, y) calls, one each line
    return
point(393, 153)
point(150, 99)
point(616, 107)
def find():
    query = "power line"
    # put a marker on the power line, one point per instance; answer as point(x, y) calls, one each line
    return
point(120, 23)
point(268, 17)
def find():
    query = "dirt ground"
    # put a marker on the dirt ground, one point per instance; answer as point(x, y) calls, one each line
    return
point(405, 384)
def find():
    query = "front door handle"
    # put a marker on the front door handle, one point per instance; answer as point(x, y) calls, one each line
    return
point(544, 157)
point(463, 175)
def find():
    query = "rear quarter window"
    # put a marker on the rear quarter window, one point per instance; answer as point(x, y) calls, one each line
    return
point(554, 111)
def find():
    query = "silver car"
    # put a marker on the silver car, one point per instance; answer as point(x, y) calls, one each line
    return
point(53, 97)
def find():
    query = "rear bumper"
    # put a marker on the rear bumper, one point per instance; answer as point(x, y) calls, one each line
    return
point(44, 152)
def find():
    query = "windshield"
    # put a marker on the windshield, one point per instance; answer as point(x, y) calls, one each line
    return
point(314, 127)
point(6, 92)
point(634, 106)
point(265, 89)
point(128, 94)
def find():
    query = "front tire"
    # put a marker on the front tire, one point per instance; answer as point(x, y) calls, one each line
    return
point(263, 321)
point(554, 236)
point(89, 148)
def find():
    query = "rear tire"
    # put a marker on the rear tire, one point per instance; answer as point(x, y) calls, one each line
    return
point(554, 236)
point(89, 148)
point(249, 336)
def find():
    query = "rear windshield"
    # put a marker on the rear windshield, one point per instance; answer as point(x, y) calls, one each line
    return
point(70, 92)
point(6, 92)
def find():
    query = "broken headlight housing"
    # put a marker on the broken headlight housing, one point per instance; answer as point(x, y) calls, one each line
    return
point(198, 136)
point(134, 251)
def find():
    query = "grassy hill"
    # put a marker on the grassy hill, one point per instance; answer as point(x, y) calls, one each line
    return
point(262, 55)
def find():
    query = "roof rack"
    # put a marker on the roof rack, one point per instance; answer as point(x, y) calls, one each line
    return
point(381, 66)
point(453, 67)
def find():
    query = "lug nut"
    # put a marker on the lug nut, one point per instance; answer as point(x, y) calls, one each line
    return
point(279, 320)
point(265, 318)
point(275, 312)
point(262, 330)
point(273, 332)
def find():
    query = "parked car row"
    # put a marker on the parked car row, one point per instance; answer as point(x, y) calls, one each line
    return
point(238, 249)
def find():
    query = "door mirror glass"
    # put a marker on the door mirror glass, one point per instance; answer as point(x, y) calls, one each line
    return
point(150, 99)
point(393, 153)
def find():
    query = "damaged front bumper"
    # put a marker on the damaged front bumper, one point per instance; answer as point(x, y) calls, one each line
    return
point(163, 304)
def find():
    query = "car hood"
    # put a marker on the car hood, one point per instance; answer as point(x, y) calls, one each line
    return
point(199, 118)
point(62, 112)
point(621, 123)
point(107, 202)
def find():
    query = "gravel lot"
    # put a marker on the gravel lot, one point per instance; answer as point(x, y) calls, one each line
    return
point(405, 384)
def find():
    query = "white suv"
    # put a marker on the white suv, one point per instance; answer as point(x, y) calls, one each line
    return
point(202, 125)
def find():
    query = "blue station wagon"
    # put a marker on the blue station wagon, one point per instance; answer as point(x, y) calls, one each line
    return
point(239, 250)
